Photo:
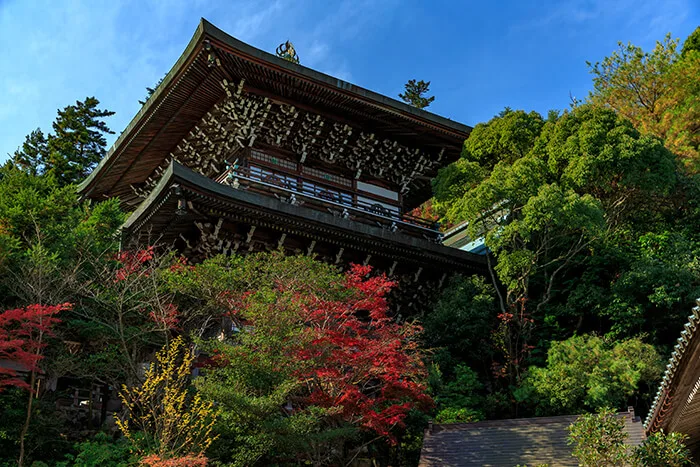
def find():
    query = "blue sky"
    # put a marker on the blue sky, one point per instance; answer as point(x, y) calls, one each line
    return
point(480, 56)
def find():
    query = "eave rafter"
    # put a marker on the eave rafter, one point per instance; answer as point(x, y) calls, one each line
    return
point(242, 118)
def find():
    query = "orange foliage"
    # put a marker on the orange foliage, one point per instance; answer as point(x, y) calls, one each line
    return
point(190, 460)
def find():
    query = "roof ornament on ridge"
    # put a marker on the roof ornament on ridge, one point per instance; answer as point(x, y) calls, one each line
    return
point(287, 52)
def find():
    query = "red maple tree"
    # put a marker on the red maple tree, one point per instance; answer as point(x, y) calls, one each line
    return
point(21, 340)
point(354, 358)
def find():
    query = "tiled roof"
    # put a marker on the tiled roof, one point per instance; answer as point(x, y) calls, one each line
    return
point(507, 443)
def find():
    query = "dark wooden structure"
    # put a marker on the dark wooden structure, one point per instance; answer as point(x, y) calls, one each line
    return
point(676, 407)
point(239, 150)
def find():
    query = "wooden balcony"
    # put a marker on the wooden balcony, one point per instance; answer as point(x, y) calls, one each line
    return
point(311, 193)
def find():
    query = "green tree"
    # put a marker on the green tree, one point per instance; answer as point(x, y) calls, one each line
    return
point(46, 236)
point(463, 319)
point(308, 366)
point(657, 91)
point(78, 142)
point(599, 439)
point(652, 293)
point(46, 232)
point(691, 43)
point(46, 437)
point(679, 127)
point(253, 388)
point(633, 82)
point(74, 148)
point(541, 200)
point(33, 154)
point(460, 399)
point(105, 451)
point(663, 450)
point(586, 373)
point(415, 94)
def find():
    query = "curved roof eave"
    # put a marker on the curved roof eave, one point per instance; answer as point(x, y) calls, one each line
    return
point(197, 38)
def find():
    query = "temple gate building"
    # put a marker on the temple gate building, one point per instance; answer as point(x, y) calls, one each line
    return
point(239, 151)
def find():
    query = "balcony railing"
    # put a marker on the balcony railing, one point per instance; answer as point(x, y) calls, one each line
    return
point(299, 190)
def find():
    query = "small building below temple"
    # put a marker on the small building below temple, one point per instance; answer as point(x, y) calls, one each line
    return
point(508, 443)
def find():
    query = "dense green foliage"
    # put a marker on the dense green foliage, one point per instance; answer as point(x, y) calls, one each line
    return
point(73, 149)
point(48, 241)
point(301, 376)
point(584, 374)
point(251, 389)
point(554, 201)
point(104, 451)
point(663, 450)
point(599, 441)
point(591, 217)
point(691, 43)
point(462, 321)
point(657, 91)
point(460, 398)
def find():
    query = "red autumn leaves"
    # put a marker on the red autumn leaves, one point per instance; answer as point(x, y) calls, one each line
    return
point(350, 356)
point(21, 341)
point(354, 358)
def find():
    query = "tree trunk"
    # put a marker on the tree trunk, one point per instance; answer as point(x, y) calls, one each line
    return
point(27, 419)
point(30, 402)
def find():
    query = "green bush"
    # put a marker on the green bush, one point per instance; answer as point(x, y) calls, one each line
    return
point(460, 399)
point(663, 450)
point(599, 440)
point(104, 451)
point(457, 415)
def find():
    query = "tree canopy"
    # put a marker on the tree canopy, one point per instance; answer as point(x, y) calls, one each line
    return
point(585, 373)
point(74, 148)
point(657, 91)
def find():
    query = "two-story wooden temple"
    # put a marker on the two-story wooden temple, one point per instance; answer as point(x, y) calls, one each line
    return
point(239, 150)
